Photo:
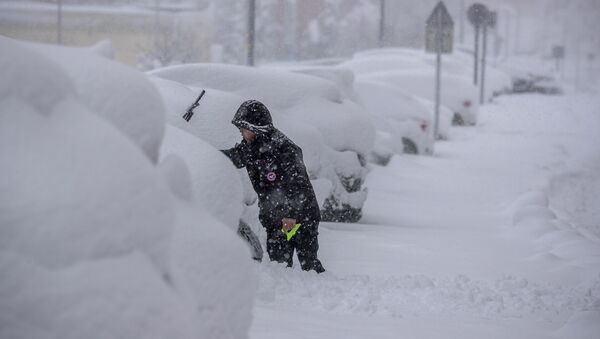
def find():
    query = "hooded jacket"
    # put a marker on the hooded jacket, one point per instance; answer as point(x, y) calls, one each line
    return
point(276, 169)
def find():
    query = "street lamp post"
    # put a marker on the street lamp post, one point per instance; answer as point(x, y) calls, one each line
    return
point(251, 31)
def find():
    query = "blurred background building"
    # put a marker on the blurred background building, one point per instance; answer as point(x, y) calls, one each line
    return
point(153, 33)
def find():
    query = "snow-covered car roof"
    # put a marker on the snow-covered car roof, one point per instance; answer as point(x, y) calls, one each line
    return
point(343, 78)
point(389, 101)
point(262, 84)
point(119, 94)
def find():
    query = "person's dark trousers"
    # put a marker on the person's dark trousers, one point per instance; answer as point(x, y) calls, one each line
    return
point(304, 242)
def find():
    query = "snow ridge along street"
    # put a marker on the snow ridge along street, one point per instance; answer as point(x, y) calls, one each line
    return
point(496, 235)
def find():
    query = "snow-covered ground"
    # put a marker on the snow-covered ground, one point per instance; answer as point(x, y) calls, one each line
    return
point(495, 236)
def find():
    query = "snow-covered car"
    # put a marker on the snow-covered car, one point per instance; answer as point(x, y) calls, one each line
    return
point(403, 121)
point(91, 213)
point(335, 134)
point(343, 78)
point(457, 93)
point(531, 75)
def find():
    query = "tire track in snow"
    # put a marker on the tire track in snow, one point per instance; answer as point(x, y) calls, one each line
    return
point(507, 297)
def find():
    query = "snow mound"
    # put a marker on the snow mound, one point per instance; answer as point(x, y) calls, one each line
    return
point(555, 238)
point(119, 94)
point(120, 297)
point(582, 325)
point(215, 182)
point(235, 79)
point(177, 175)
point(213, 271)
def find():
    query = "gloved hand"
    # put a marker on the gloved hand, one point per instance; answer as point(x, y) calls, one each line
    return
point(289, 227)
point(288, 224)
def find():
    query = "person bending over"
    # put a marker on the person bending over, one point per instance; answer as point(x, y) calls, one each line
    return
point(288, 207)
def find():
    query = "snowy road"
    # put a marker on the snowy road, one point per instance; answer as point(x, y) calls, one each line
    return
point(495, 236)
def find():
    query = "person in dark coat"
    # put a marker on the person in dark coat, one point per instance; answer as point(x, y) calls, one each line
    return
point(285, 194)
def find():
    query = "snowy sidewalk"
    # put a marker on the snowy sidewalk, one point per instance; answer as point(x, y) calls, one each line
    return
point(465, 244)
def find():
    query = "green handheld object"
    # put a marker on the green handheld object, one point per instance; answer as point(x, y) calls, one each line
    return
point(291, 233)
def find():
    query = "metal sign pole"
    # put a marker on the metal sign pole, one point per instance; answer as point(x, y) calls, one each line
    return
point(438, 39)
point(478, 16)
point(476, 56)
point(437, 95)
point(461, 22)
point(438, 69)
point(483, 55)
point(507, 35)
